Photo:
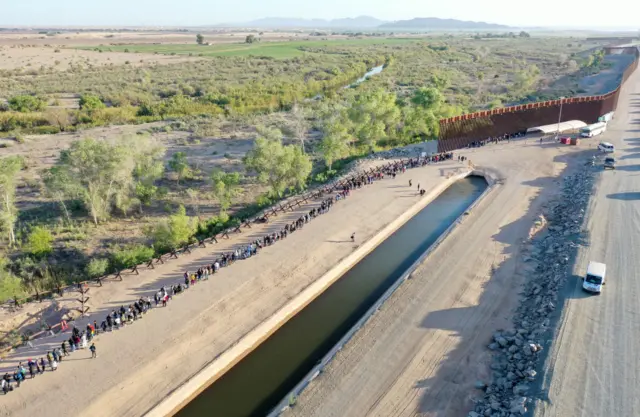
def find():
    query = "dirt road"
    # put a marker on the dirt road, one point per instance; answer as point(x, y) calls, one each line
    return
point(594, 366)
point(423, 352)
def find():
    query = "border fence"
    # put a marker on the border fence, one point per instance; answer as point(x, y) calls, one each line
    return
point(458, 132)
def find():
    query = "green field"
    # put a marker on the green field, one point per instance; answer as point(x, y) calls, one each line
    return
point(280, 50)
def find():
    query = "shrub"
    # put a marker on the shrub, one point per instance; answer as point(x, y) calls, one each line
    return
point(26, 103)
point(39, 242)
point(130, 255)
point(91, 102)
point(97, 267)
point(172, 233)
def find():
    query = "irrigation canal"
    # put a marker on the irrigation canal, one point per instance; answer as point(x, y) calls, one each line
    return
point(261, 380)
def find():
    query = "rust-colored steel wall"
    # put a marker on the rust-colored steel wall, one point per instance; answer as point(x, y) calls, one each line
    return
point(457, 132)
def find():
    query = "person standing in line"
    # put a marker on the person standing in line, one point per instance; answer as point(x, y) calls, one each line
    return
point(410, 185)
point(32, 367)
point(64, 348)
point(42, 366)
point(92, 348)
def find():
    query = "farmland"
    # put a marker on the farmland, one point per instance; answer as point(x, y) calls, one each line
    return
point(278, 50)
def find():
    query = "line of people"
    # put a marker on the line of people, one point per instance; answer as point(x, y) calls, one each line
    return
point(53, 357)
point(128, 315)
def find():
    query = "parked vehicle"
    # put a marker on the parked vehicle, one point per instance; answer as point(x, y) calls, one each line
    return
point(594, 280)
point(609, 162)
point(606, 147)
point(593, 130)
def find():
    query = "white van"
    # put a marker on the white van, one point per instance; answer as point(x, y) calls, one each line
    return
point(594, 280)
point(606, 147)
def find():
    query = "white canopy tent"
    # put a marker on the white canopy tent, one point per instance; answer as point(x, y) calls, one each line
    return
point(556, 128)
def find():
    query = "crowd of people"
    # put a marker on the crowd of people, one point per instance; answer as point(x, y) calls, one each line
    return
point(80, 339)
point(496, 139)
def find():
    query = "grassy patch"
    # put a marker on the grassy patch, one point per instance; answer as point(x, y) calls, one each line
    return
point(278, 50)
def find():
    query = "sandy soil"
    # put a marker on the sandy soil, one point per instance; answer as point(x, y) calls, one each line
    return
point(422, 353)
point(30, 51)
point(105, 38)
point(30, 58)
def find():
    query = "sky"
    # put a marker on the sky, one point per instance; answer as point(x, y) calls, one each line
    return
point(552, 13)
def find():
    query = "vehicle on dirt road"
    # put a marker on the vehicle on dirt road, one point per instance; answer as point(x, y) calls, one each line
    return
point(609, 162)
point(594, 280)
point(593, 130)
point(606, 147)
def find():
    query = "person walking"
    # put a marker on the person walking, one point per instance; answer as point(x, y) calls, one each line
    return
point(410, 185)
point(353, 237)
point(92, 348)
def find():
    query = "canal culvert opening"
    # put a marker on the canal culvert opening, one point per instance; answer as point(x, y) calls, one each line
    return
point(262, 379)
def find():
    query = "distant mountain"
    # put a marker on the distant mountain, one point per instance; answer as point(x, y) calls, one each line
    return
point(285, 22)
point(434, 23)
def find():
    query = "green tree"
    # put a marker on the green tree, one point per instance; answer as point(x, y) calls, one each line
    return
point(419, 124)
point(299, 124)
point(280, 167)
point(10, 285)
point(60, 186)
point(27, 103)
point(97, 172)
point(335, 143)
point(9, 168)
point(524, 34)
point(173, 232)
point(149, 167)
point(180, 165)
point(226, 187)
point(251, 39)
point(97, 267)
point(375, 116)
point(199, 39)
point(428, 98)
point(91, 102)
point(40, 242)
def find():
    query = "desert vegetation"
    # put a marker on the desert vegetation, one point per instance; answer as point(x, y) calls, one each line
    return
point(220, 138)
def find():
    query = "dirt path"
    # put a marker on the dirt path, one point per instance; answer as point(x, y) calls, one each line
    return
point(424, 351)
point(138, 365)
point(593, 368)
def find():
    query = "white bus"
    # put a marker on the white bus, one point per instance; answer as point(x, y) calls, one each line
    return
point(593, 130)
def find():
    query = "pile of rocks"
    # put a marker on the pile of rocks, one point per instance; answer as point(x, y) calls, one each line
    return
point(517, 351)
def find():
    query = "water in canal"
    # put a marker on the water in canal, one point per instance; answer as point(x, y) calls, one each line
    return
point(257, 383)
point(371, 72)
